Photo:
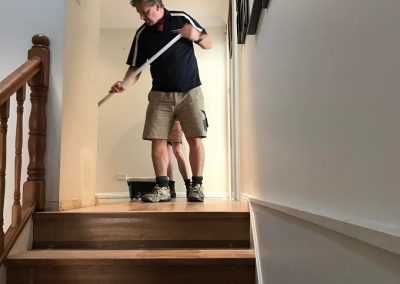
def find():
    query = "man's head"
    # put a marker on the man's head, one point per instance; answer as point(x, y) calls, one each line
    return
point(150, 11)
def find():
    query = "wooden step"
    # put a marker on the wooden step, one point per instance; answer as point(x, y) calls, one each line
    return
point(132, 266)
point(142, 229)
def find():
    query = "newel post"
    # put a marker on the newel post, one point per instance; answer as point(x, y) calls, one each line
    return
point(34, 188)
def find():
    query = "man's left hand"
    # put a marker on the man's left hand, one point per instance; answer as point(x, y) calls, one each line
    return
point(190, 33)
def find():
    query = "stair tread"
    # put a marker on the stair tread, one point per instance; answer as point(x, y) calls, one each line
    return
point(132, 266)
point(143, 229)
point(133, 213)
point(135, 254)
point(178, 205)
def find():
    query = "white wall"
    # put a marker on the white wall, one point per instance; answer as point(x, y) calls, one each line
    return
point(210, 13)
point(319, 113)
point(19, 21)
point(80, 112)
point(320, 108)
point(293, 251)
point(212, 65)
point(121, 148)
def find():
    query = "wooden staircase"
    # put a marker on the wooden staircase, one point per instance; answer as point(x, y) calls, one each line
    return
point(175, 242)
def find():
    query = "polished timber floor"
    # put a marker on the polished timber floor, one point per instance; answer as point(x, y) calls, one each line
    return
point(178, 205)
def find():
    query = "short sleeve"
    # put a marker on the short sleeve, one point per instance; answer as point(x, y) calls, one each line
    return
point(137, 55)
point(190, 20)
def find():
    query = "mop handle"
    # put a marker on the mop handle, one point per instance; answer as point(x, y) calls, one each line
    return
point(141, 68)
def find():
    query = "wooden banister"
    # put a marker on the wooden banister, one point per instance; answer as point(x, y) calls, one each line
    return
point(39, 85)
point(18, 78)
point(35, 72)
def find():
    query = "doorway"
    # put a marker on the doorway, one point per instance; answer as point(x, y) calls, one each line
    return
point(122, 153)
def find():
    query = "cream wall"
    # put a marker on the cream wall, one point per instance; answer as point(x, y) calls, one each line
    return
point(79, 125)
point(293, 251)
point(19, 21)
point(121, 150)
point(319, 112)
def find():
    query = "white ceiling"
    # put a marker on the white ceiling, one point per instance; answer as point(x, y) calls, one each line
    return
point(120, 14)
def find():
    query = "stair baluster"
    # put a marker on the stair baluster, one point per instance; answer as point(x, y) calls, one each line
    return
point(4, 115)
point(16, 211)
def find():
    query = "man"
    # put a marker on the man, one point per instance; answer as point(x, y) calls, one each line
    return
point(176, 93)
point(175, 150)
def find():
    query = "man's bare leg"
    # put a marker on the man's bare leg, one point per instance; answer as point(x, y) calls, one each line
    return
point(196, 158)
point(159, 154)
point(181, 159)
point(170, 169)
point(183, 164)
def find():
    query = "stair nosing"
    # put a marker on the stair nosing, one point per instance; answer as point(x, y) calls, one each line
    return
point(135, 254)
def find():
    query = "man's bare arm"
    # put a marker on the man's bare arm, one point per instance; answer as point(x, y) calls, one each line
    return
point(202, 39)
point(129, 80)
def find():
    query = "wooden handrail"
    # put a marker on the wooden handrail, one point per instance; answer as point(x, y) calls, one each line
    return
point(35, 72)
point(18, 78)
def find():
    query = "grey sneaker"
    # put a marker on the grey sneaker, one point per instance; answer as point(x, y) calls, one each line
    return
point(159, 194)
point(195, 193)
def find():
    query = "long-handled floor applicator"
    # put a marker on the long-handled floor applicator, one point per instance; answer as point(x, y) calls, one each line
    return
point(141, 68)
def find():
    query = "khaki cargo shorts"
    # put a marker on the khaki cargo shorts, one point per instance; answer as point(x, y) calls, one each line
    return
point(166, 107)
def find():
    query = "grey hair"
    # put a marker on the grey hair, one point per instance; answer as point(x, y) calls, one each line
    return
point(134, 3)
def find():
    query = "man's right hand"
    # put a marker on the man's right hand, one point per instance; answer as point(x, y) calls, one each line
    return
point(117, 88)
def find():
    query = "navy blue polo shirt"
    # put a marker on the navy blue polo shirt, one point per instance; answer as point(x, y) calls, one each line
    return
point(176, 70)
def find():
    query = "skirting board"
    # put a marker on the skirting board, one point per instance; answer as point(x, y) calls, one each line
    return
point(386, 241)
point(256, 244)
point(106, 198)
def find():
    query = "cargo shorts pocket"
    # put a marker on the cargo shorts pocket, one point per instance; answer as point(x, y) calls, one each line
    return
point(205, 120)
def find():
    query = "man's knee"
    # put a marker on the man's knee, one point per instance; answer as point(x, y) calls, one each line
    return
point(177, 148)
point(195, 142)
point(159, 146)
